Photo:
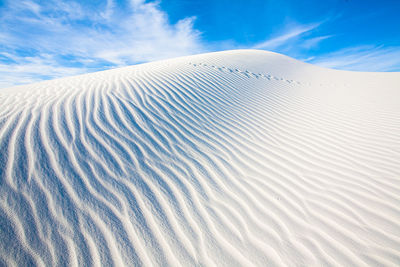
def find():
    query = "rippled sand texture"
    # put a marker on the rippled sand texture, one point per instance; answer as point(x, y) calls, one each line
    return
point(237, 158)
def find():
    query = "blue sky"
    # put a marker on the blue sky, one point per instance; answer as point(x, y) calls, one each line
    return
point(42, 40)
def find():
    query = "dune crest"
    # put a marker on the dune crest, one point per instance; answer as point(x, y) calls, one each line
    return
point(236, 158)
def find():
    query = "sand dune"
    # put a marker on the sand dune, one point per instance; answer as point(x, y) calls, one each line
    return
point(236, 158)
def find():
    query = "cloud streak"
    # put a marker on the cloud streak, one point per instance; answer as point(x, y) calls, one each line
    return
point(361, 58)
point(287, 37)
point(67, 37)
point(297, 41)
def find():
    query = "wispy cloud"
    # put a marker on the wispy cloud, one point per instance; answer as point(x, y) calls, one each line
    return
point(24, 70)
point(285, 38)
point(313, 42)
point(41, 40)
point(299, 39)
point(361, 58)
point(293, 38)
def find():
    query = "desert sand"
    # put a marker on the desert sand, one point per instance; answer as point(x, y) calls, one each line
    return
point(235, 158)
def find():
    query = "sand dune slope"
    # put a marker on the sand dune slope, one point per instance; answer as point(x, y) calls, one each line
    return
point(237, 158)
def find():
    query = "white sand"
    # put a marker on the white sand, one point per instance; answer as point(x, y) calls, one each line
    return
point(237, 158)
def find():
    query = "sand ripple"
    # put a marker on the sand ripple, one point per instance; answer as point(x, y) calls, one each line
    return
point(242, 158)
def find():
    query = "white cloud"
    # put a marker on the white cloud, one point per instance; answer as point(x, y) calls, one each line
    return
point(293, 35)
point(33, 69)
point(361, 58)
point(283, 38)
point(79, 36)
point(297, 40)
point(313, 42)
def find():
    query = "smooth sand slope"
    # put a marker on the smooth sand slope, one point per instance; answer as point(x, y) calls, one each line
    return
point(237, 158)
